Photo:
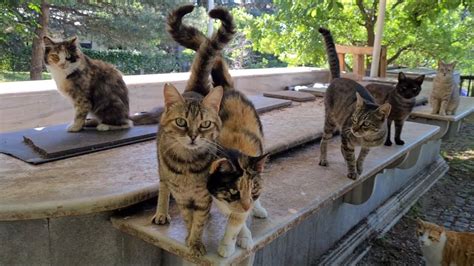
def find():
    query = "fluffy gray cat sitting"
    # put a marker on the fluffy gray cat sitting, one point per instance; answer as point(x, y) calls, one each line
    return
point(445, 94)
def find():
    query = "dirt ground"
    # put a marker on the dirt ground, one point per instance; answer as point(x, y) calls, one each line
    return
point(450, 202)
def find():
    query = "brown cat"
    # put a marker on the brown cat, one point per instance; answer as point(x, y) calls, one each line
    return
point(443, 247)
point(93, 86)
point(350, 107)
point(235, 182)
point(402, 98)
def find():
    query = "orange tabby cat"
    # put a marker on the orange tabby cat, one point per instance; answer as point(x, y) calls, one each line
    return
point(443, 247)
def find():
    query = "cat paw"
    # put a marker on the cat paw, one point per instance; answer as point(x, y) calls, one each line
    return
point(449, 113)
point(359, 170)
point(245, 242)
point(442, 113)
point(388, 143)
point(260, 213)
point(161, 218)
point(225, 250)
point(197, 248)
point(74, 127)
point(399, 142)
point(352, 176)
point(323, 163)
point(103, 127)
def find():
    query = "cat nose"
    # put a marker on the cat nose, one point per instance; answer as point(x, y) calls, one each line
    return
point(193, 137)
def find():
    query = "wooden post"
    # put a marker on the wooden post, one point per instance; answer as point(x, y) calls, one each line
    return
point(342, 65)
point(358, 65)
point(383, 62)
point(378, 39)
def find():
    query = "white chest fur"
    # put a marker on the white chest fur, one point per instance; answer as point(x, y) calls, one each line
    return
point(434, 253)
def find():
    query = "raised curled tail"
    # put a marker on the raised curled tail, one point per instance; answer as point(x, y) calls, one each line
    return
point(187, 36)
point(147, 118)
point(208, 57)
point(331, 52)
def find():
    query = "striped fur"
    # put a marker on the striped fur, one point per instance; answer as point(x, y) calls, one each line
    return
point(332, 53)
point(241, 134)
point(444, 97)
point(352, 109)
point(402, 98)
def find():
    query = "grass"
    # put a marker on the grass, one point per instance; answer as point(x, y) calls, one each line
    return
point(6, 76)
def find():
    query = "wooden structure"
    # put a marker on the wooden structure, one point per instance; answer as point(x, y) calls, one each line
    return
point(358, 61)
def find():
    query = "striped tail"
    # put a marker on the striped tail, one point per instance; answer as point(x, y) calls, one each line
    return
point(331, 52)
point(192, 38)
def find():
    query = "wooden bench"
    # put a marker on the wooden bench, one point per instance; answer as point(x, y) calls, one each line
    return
point(358, 59)
point(296, 189)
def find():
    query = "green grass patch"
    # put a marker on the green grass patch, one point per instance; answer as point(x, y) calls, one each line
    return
point(6, 76)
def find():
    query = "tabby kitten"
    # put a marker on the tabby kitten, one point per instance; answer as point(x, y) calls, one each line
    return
point(189, 127)
point(350, 107)
point(443, 247)
point(402, 98)
point(445, 94)
point(241, 137)
point(93, 86)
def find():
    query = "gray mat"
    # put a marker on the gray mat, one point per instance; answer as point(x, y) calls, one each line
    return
point(53, 143)
point(265, 104)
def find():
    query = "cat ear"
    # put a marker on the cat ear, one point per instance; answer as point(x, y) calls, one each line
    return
point(213, 99)
point(48, 41)
point(453, 64)
point(73, 41)
point(258, 163)
point(384, 109)
point(420, 79)
point(221, 164)
point(172, 95)
point(360, 101)
point(401, 76)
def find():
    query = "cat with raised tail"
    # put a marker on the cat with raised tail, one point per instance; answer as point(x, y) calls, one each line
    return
point(444, 97)
point(352, 109)
point(443, 247)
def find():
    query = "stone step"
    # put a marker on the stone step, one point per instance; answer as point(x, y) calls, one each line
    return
point(296, 96)
point(296, 188)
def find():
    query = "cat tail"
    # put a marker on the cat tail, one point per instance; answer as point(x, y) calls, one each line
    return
point(331, 52)
point(208, 57)
point(147, 118)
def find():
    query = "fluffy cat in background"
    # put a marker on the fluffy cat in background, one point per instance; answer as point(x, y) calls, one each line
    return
point(93, 86)
point(443, 247)
point(350, 107)
point(235, 181)
point(402, 98)
point(445, 94)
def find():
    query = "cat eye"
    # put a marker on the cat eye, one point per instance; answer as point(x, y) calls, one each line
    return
point(68, 56)
point(366, 124)
point(205, 124)
point(180, 122)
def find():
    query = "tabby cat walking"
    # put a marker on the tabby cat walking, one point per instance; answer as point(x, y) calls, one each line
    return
point(351, 108)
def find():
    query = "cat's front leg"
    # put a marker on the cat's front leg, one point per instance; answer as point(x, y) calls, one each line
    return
point(235, 223)
point(200, 215)
point(388, 142)
point(347, 150)
point(442, 107)
point(398, 132)
point(81, 108)
point(364, 151)
point(244, 239)
point(258, 210)
point(435, 104)
point(161, 216)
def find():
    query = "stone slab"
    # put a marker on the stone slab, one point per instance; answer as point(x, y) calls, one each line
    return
point(317, 89)
point(296, 96)
point(41, 145)
point(264, 104)
point(297, 174)
point(466, 107)
point(120, 177)
point(380, 80)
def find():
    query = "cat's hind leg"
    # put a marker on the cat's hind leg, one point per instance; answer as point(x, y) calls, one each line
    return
point(329, 127)
point(107, 127)
point(258, 210)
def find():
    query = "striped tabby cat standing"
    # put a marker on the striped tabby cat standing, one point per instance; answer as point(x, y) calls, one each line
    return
point(235, 182)
point(402, 98)
point(351, 108)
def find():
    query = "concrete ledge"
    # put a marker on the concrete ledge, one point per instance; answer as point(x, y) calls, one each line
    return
point(30, 104)
point(307, 188)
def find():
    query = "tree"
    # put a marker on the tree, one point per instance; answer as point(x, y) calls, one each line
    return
point(417, 32)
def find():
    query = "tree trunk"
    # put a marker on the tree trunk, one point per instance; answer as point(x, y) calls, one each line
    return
point(38, 49)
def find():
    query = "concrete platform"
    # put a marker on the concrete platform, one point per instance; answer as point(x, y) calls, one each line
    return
point(296, 188)
point(112, 179)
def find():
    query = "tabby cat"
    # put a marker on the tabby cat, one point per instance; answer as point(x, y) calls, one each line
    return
point(235, 181)
point(93, 86)
point(445, 94)
point(350, 107)
point(443, 247)
point(402, 98)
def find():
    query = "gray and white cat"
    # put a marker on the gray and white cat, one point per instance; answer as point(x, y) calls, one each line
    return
point(445, 94)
